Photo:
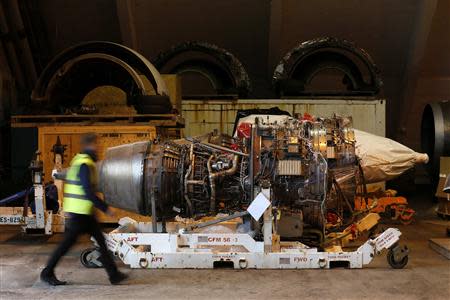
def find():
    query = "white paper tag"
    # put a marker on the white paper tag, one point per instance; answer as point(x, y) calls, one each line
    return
point(258, 206)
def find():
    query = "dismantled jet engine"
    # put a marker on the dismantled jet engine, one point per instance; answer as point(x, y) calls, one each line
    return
point(309, 164)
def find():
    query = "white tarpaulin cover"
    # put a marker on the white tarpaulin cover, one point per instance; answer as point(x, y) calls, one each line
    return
point(384, 159)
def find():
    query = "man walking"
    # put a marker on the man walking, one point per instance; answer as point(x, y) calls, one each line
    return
point(80, 199)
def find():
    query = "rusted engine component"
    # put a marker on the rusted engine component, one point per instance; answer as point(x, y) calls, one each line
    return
point(81, 68)
point(205, 69)
point(435, 133)
point(309, 163)
point(388, 206)
point(294, 74)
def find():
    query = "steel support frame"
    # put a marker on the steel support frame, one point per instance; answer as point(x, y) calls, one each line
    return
point(202, 250)
point(42, 219)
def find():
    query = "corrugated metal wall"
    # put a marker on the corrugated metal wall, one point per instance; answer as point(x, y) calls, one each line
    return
point(203, 116)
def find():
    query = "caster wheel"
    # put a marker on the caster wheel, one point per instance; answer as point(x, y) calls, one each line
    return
point(393, 262)
point(89, 259)
point(406, 221)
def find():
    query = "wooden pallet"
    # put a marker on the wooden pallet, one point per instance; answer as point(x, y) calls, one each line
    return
point(58, 220)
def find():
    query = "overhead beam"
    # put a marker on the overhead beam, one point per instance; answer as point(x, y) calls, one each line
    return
point(411, 73)
point(18, 38)
point(10, 52)
point(126, 15)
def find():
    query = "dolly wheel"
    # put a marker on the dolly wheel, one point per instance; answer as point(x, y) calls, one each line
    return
point(406, 221)
point(88, 260)
point(400, 264)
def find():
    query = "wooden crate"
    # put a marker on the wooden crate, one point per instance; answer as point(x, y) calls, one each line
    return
point(108, 136)
point(13, 211)
point(158, 120)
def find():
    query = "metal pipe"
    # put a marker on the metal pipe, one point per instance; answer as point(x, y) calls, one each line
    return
point(217, 147)
point(252, 164)
point(154, 220)
point(186, 196)
point(212, 185)
point(198, 182)
point(224, 149)
point(213, 175)
point(229, 171)
point(216, 221)
point(186, 178)
point(325, 180)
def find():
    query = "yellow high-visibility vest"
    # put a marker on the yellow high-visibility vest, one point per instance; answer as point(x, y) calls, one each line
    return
point(75, 200)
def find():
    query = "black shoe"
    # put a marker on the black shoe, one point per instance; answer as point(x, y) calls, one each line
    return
point(118, 278)
point(50, 278)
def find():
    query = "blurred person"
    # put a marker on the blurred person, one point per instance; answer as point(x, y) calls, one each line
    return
point(80, 198)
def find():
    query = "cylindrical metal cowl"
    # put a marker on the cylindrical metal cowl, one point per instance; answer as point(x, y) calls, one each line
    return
point(435, 133)
point(121, 177)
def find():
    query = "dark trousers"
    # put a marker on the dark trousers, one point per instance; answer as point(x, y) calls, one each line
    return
point(77, 225)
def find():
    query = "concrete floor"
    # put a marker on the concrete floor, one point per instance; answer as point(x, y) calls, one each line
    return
point(427, 276)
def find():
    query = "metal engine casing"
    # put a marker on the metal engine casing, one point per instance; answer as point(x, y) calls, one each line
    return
point(309, 163)
point(142, 177)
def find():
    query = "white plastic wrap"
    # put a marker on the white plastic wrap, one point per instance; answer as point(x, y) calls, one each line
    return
point(384, 159)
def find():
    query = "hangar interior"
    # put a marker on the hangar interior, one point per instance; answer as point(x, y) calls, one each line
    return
point(244, 147)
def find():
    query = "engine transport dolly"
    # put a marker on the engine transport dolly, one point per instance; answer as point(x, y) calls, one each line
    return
point(137, 246)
